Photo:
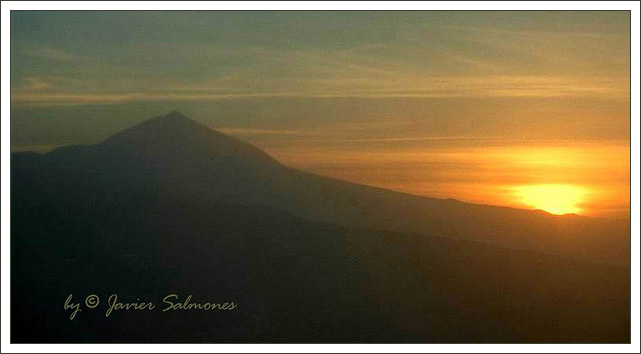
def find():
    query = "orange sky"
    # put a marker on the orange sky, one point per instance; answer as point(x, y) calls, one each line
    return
point(522, 108)
point(583, 177)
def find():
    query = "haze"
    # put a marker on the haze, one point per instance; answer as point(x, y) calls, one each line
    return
point(524, 109)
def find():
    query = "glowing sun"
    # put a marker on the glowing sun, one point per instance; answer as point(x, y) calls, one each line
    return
point(556, 199)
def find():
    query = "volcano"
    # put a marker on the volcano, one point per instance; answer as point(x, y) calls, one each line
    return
point(170, 206)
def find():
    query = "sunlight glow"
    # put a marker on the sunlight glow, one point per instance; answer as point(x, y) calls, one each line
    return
point(556, 199)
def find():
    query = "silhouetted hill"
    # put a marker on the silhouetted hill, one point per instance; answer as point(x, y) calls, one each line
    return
point(175, 135)
point(294, 280)
point(170, 206)
point(184, 159)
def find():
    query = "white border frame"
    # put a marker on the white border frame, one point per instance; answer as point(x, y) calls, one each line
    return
point(633, 6)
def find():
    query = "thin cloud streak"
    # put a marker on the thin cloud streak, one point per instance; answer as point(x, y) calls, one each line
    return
point(53, 54)
point(500, 86)
point(257, 131)
point(522, 33)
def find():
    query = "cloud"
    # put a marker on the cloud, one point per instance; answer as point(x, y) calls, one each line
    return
point(258, 131)
point(35, 84)
point(49, 53)
point(393, 71)
point(116, 98)
point(529, 32)
point(404, 87)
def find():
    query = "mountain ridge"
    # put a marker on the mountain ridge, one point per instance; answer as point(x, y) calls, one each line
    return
point(175, 156)
point(176, 119)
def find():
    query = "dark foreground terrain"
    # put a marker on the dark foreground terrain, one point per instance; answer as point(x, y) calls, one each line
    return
point(170, 207)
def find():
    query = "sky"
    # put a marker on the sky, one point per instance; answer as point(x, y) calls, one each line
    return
point(524, 109)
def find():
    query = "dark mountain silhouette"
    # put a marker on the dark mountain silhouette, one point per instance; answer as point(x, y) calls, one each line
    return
point(175, 135)
point(171, 206)
point(185, 159)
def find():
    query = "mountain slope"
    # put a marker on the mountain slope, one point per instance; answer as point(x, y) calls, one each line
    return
point(294, 280)
point(178, 157)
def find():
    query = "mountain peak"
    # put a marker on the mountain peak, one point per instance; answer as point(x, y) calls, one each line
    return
point(175, 115)
point(175, 118)
point(175, 134)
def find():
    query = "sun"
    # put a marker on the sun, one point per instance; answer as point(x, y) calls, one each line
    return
point(556, 199)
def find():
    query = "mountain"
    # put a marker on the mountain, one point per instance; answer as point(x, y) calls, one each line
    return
point(176, 135)
point(171, 206)
point(185, 159)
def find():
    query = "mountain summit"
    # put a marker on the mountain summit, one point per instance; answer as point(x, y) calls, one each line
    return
point(175, 134)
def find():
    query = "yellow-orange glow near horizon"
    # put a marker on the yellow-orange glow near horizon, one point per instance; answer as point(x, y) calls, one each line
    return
point(556, 199)
point(590, 178)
